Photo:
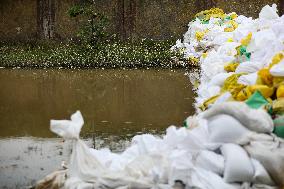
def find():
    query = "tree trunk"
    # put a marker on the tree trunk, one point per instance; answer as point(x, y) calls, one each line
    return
point(127, 10)
point(45, 18)
point(281, 7)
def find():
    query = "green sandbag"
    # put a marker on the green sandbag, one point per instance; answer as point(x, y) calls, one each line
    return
point(243, 51)
point(279, 131)
point(256, 100)
point(279, 121)
point(279, 126)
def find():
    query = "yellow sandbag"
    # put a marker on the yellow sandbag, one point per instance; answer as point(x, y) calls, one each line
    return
point(232, 26)
point(278, 106)
point(264, 77)
point(277, 81)
point(194, 61)
point(204, 55)
point(199, 35)
point(230, 29)
point(276, 59)
point(244, 94)
point(233, 15)
point(263, 89)
point(209, 101)
point(231, 84)
point(280, 91)
point(230, 40)
point(231, 67)
point(245, 41)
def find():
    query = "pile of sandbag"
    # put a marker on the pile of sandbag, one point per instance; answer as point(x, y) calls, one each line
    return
point(234, 142)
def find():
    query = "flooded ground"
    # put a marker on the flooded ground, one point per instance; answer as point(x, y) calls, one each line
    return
point(116, 105)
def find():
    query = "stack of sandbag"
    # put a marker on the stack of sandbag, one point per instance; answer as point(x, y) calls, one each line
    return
point(210, 29)
point(229, 146)
point(234, 142)
point(255, 73)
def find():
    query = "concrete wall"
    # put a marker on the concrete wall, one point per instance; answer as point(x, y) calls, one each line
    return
point(157, 19)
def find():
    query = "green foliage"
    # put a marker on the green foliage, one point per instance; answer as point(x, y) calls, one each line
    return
point(93, 29)
point(75, 11)
point(139, 54)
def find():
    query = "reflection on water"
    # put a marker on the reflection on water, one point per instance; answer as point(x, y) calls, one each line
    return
point(113, 102)
point(116, 104)
point(23, 161)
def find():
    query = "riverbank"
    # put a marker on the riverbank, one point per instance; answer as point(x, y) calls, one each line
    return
point(141, 54)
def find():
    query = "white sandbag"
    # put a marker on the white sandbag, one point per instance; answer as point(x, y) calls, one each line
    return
point(107, 158)
point(146, 143)
point(181, 166)
point(249, 67)
point(223, 98)
point(174, 136)
point(263, 186)
point(68, 129)
point(206, 91)
point(256, 120)
point(249, 79)
point(247, 185)
point(261, 40)
point(238, 166)
point(202, 179)
point(220, 38)
point(85, 169)
point(53, 180)
point(225, 129)
point(268, 12)
point(228, 48)
point(260, 174)
point(278, 29)
point(143, 166)
point(219, 79)
point(271, 155)
point(278, 69)
point(210, 161)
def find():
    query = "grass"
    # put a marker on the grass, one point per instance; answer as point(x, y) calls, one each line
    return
point(139, 54)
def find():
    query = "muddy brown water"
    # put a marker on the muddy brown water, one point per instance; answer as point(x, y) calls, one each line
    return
point(116, 105)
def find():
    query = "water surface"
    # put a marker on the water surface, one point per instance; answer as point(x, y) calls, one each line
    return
point(116, 104)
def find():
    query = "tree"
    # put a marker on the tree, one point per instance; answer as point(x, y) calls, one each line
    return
point(45, 18)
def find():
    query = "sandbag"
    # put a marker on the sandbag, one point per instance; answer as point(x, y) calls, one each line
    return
point(85, 169)
point(260, 174)
point(202, 179)
point(271, 155)
point(278, 69)
point(219, 79)
point(226, 129)
point(54, 180)
point(279, 131)
point(256, 100)
point(249, 67)
point(280, 91)
point(181, 166)
point(269, 12)
point(223, 98)
point(210, 161)
point(255, 120)
point(238, 166)
point(249, 79)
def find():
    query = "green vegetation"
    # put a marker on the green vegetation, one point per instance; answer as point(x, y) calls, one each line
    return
point(142, 54)
point(93, 30)
point(94, 48)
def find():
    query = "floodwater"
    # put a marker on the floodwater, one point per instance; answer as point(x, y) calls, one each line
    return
point(115, 104)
